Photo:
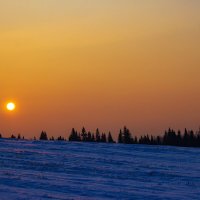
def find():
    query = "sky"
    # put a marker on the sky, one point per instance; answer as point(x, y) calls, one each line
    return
point(99, 63)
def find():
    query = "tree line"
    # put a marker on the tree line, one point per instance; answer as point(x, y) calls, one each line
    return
point(188, 138)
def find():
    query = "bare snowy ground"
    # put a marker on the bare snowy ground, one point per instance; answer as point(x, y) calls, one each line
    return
point(62, 170)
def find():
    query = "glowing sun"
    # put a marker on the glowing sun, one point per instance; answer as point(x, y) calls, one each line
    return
point(10, 106)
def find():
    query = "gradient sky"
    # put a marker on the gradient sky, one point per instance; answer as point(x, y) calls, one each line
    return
point(99, 63)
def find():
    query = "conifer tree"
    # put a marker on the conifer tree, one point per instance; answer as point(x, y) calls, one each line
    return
point(120, 137)
point(98, 137)
point(43, 136)
point(84, 135)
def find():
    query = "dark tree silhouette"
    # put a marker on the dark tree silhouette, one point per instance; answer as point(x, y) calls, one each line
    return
point(179, 138)
point(170, 137)
point(74, 136)
point(93, 138)
point(52, 138)
point(120, 137)
point(110, 138)
point(125, 136)
point(186, 138)
point(103, 138)
point(43, 136)
point(60, 138)
point(158, 140)
point(89, 137)
point(197, 142)
point(19, 137)
point(13, 137)
point(135, 140)
point(98, 137)
point(84, 135)
point(189, 138)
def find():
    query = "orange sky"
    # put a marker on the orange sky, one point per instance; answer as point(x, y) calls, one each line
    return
point(101, 64)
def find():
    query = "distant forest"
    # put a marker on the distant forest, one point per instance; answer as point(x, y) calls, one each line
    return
point(170, 137)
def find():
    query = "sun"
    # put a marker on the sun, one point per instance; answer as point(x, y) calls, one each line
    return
point(10, 106)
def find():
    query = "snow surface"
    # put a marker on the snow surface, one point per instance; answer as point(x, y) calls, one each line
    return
point(62, 170)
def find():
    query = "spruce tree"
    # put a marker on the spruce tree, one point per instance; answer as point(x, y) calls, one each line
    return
point(43, 136)
point(110, 139)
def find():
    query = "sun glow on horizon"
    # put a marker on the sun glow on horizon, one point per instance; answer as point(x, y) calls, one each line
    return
point(10, 106)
